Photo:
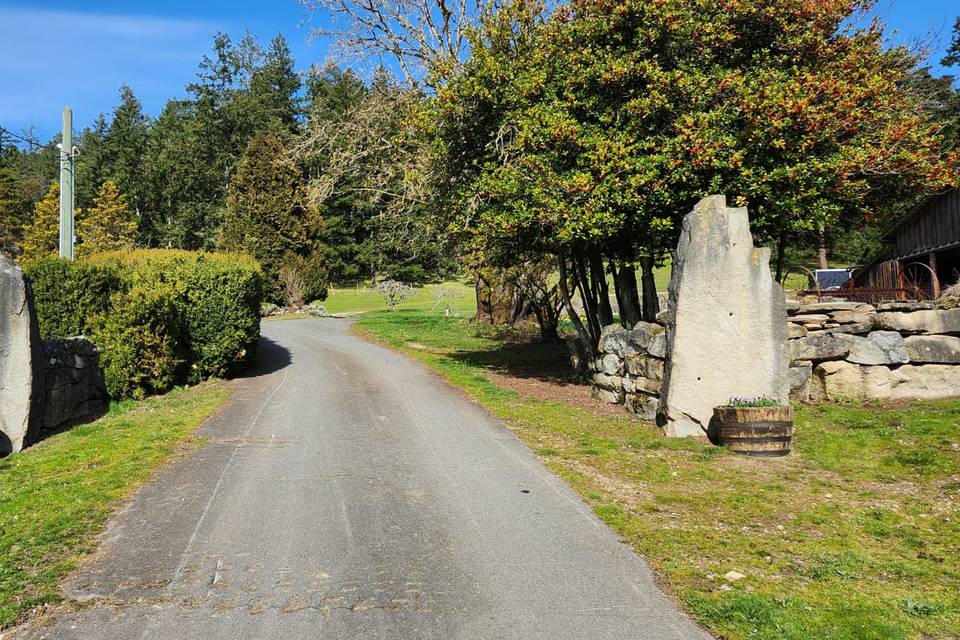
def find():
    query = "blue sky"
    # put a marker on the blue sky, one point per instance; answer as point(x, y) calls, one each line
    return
point(79, 52)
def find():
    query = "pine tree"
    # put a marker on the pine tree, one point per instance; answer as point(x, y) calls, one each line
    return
point(91, 163)
point(108, 225)
point(953, 53)
point(41, 238)
point(124, 148)
point(275, 88)
point(268, 217)
point(14, 210)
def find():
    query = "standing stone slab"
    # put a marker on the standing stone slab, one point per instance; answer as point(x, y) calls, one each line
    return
point(21, 357)
point(727, 328)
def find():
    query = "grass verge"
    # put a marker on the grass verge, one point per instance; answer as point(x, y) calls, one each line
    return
point(855, 537)
point(57, 495)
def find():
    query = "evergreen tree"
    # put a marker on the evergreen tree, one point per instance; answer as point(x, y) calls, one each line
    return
point(14, 210)
point(91, 165)
point(275, 89)
point(108, 225)
point(953, 53)
point(269, 218)
point(41, 237)
point(124, 148)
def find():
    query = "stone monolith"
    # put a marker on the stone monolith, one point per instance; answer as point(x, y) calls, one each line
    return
point(20, 358)
point(727, 327)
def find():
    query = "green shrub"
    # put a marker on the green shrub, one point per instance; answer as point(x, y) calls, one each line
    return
point(140, 338)
point(218, 298)
point(69, 294)
point(203, 310)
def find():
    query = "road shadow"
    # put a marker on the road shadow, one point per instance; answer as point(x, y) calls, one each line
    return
point(270, 357)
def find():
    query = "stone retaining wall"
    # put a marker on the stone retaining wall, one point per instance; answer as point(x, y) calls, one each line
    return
point(629, 367)
point(73, 386)
point(839, 351)
point(892, 351)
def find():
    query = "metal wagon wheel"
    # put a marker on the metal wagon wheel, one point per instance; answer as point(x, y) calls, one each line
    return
point(801, 293)
point(913, 280)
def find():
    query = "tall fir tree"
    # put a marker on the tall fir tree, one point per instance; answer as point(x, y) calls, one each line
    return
point(41, 237)
point(125, 147)
point(953, 53)
point(91, 164)
point(275, 88)
point(108, 225)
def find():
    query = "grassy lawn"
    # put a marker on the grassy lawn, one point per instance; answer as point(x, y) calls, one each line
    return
point(856, 536)
point(56, 496)
point(354, 300)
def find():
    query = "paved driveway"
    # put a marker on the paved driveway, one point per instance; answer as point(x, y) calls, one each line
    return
point(345, 492)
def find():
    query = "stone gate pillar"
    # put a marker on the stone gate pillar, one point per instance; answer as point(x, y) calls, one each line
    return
point(726, 329)
point(21, 358)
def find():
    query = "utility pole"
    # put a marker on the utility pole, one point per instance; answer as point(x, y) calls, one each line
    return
point(66, 186)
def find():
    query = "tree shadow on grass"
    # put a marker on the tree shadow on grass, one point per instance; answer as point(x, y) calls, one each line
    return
point(545, 362)
point(271, 356)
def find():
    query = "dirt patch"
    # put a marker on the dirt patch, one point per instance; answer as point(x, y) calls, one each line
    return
point(574, 394)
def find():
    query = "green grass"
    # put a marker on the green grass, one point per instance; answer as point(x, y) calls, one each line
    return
point(56, 496)
point(856, 536)
point(355, 300)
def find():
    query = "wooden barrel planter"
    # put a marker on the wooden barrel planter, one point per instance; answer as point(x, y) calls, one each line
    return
point(755, 431)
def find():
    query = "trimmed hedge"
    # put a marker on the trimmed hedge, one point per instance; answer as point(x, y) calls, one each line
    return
point(70, 294)
point(162, 317)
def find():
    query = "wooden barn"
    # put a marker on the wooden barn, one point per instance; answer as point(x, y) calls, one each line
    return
point(921, 253)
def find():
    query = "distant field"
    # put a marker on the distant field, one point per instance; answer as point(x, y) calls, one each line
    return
point(355, 300)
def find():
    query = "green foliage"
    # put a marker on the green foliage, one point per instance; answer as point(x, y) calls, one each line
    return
point(217, 298)
point(41, 237)
point(124, 149)
point(269, 218)
point(108, 225)
point(753, 402)
point(140, 338)
point(69, 294)
point(162, 317)
point(953, 53)
point(14, 210)
point(368, 159)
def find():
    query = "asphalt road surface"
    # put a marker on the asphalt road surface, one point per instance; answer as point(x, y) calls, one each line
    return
point(346, 492)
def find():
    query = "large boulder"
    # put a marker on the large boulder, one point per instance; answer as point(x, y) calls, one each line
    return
point(800, 378)
point(934, 349)
point(820, 346)
point(878, 347)
point(616, 340)
point(727, 327)
point(925, 321)
point(848, 381)
point(21, 358)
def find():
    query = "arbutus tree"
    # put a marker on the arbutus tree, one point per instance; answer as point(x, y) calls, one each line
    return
point(591, 137)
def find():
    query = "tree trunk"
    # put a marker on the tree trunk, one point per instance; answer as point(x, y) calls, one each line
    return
point(568, 305)
point(496, 302)
point(625, 283)
point(822, 249)
point(781, 255)
point(599, 278)
point(651, 304)
point(587, 297)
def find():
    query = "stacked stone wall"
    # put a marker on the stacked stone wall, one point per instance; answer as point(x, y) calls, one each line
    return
point(893, 351)
point(628, 369)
